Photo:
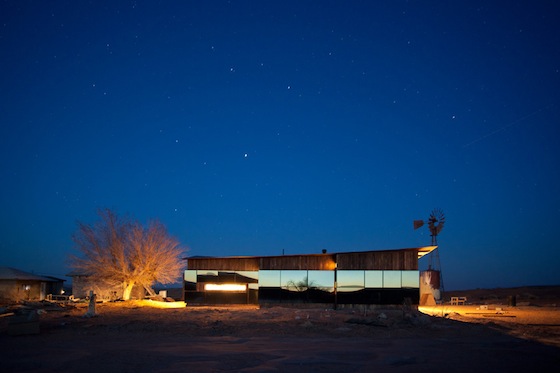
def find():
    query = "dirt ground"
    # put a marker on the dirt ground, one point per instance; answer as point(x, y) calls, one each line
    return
point(486, 334)
point(133, 337)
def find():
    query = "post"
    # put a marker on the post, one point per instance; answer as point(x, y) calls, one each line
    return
point(335, 290)
point(91, 306)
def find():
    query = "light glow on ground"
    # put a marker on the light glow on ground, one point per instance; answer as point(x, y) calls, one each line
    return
point(157, 304)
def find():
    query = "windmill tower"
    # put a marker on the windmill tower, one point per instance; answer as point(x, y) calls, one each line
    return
point(433, 276)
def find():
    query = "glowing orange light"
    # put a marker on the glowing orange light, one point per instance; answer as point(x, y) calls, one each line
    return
point(225, 287)
point(157, 304)
point(330, 265)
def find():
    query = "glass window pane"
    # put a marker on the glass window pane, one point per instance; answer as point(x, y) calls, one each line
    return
point(206, 276)
point(190, 280)
point(254, 275)
point(322, 280)
point(269, 279)
point(190, 275)
point(350, 280)
point(374, 279)
point(226, 276)
point(392, 279)
point(410, 279)
point(204, 272)
point(294, 280)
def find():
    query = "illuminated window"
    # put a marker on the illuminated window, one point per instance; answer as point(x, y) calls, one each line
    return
point(225, 287)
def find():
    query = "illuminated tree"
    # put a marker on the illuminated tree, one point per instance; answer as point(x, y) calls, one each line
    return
point(124, 252)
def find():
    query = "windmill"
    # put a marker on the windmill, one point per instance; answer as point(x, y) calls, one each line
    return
point(435, 224)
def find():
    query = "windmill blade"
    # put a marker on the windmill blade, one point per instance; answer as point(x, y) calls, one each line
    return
point(438, 217)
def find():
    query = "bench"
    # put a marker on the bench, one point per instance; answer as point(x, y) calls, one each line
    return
point(458, 301)
point(59, 298)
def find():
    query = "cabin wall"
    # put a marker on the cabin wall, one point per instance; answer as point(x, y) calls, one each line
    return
point(378, 260)
point(224, 264)
point(14, 290)
point(372, 260)
point(298, 262)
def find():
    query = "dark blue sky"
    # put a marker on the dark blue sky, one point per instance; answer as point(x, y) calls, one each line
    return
point(252, 128)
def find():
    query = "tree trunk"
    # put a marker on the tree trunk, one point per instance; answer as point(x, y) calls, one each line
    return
point(150, 291)
point(127, 290)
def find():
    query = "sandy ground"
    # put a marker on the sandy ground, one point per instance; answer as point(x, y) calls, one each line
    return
point(129, 337)
point(541, 324)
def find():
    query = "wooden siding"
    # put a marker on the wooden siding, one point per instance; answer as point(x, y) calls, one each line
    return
point(378, 260)
point(224, 264)
point(404, 259)
point(298, 262)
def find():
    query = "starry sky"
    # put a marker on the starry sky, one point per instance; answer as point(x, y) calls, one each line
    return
point(257, 128)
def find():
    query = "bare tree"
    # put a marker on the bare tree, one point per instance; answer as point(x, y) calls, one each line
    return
point(126, 253)
point(301, 286)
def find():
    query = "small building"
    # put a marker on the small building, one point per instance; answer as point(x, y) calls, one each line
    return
point(365, 277)
point(19, 285)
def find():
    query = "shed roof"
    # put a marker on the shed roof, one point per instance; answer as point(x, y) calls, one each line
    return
point(9, 273)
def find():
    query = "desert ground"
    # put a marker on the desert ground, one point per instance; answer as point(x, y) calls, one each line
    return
point(486, 334)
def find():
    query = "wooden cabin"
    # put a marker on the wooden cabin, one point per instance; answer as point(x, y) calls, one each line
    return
point(18, 285)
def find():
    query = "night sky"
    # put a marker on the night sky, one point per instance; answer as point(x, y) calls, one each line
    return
point(257, 128)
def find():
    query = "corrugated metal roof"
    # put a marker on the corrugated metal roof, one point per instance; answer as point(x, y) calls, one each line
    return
point(9, 273)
